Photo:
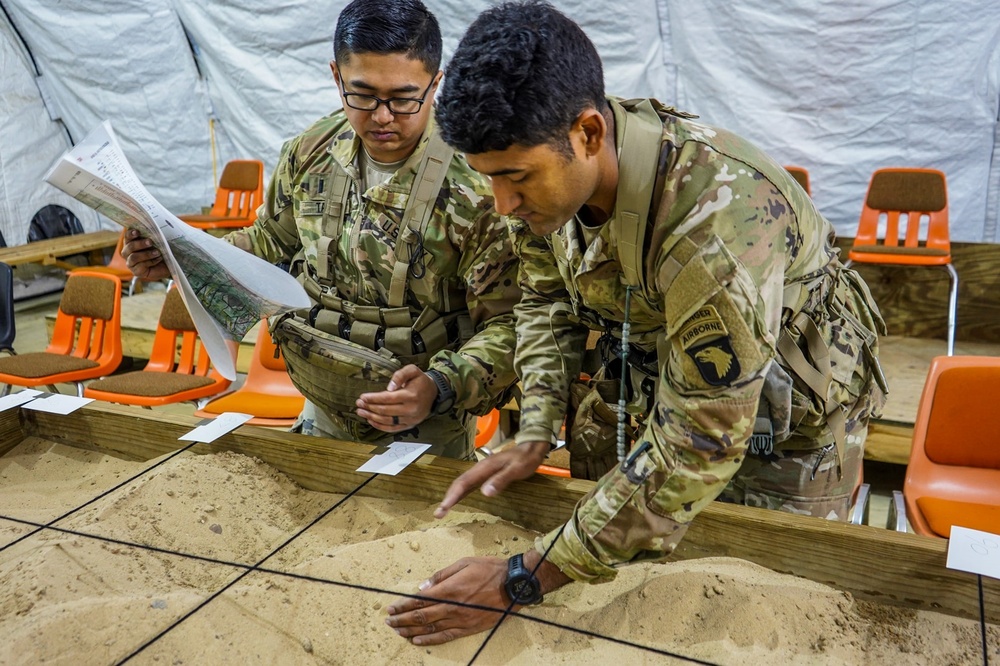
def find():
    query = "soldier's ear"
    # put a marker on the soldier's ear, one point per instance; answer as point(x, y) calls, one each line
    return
point(593, 130)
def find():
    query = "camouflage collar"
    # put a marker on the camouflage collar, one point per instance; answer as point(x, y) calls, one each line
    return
point(345, 146)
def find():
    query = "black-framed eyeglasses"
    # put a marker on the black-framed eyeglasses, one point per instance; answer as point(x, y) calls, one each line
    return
point(403, 106)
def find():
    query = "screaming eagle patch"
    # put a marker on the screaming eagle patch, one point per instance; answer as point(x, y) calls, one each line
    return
point(706, 340)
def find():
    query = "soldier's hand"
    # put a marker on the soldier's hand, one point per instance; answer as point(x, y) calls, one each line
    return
point(142, 258)
point(432, 620)
point(495, 473)
point(404, 403)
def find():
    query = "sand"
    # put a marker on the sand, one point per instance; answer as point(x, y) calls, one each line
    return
point(71, 599)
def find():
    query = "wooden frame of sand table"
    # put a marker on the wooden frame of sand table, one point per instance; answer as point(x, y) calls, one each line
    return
point(873, 564)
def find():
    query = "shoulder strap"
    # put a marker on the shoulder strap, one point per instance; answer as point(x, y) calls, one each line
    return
point(426, 185)
point(335, 208)
point(638, 157)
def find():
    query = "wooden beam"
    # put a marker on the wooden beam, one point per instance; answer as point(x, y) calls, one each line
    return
point(889, 442)
point(870, 563)
point(12, 430)
point(50, 250)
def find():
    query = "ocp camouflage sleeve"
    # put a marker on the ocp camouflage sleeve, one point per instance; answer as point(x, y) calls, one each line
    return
point(550, 346)
point(482, 370)
point(727, 238)
point(273, 235)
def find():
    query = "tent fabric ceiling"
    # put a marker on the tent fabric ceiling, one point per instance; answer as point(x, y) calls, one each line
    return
point(841, 89)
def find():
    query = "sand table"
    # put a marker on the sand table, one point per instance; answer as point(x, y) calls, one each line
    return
point(71, 599)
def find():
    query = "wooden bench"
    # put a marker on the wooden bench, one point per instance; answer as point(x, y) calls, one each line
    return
point(51, 250)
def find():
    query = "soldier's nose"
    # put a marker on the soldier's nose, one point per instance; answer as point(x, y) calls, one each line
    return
point(505, 199)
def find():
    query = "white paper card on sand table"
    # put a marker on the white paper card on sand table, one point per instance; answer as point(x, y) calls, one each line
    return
point(217, 427)
point(395, 460)
point(56, 403)
point(974, 551)
point(17, 399)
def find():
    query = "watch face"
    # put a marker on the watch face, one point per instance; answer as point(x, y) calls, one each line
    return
point(524, 590)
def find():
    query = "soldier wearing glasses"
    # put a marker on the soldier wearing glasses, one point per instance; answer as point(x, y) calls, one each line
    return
point(336, 208)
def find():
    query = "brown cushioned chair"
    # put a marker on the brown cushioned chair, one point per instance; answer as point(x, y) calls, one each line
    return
point(86, 341)
point(178, 369)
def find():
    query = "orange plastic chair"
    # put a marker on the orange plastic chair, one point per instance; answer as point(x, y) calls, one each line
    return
point(267, 392)
point(166, 378)
point(240, 192)
point(116, 266)
point(486, 427)
point(953, 477)
point(801, 176)
point(904, 222)
point(86, 341)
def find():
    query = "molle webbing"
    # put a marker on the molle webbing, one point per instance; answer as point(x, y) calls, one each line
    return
point(391, 327)
point(395, 326)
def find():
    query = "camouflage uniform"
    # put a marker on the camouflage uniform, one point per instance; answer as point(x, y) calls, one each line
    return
point(735, 250)
point(466, 254)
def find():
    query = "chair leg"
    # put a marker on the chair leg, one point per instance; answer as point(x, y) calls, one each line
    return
point(131, 285)
point(79, 389)
point(52, 388)
point(6, 391)
point(860, 510)
point(896, 519)
point(952, 308)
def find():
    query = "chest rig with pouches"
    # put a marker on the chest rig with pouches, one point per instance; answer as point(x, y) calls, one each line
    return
point(338, 349)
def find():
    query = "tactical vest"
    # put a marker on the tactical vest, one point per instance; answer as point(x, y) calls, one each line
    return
point(800, 349)
point(338, 349)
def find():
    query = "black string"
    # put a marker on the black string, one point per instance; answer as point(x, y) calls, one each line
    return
point(247, 572)
point(336, 583)
point(510, 607)
point(510, 611)
point(982, 620)
point(86, 504)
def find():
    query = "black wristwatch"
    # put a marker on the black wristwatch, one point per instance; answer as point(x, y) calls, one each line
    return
point(445, 399)
point(521, 585)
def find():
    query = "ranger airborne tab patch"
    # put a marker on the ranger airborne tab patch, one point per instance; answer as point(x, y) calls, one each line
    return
point(706, 340)
point(703, 324)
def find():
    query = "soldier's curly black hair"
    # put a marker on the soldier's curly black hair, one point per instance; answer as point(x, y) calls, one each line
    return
point(389, 26)
point(521, 75)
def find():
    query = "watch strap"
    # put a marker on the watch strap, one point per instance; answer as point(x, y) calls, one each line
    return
point(445, 398)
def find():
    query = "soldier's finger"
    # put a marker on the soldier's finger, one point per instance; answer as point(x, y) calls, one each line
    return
point(468, 482)
point(403, 376)
point(497, 483)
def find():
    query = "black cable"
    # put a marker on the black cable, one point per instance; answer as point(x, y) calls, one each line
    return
point(102, 495)
point(982, 620)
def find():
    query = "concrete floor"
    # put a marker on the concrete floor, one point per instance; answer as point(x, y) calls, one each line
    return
point(32, 336)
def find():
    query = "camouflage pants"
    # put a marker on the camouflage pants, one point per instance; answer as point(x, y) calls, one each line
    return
point(451, 435)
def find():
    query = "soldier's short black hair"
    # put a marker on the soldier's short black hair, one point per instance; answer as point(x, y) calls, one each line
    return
point(521, 75)
point(389, 26)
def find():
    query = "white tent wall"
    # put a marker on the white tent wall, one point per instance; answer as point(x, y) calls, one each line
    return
point(29, 142)
point(840, 88)
point(268, 76)
point(127, 61)
point(844, 88)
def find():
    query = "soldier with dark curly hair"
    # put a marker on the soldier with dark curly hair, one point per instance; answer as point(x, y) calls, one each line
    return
point(742, 350)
